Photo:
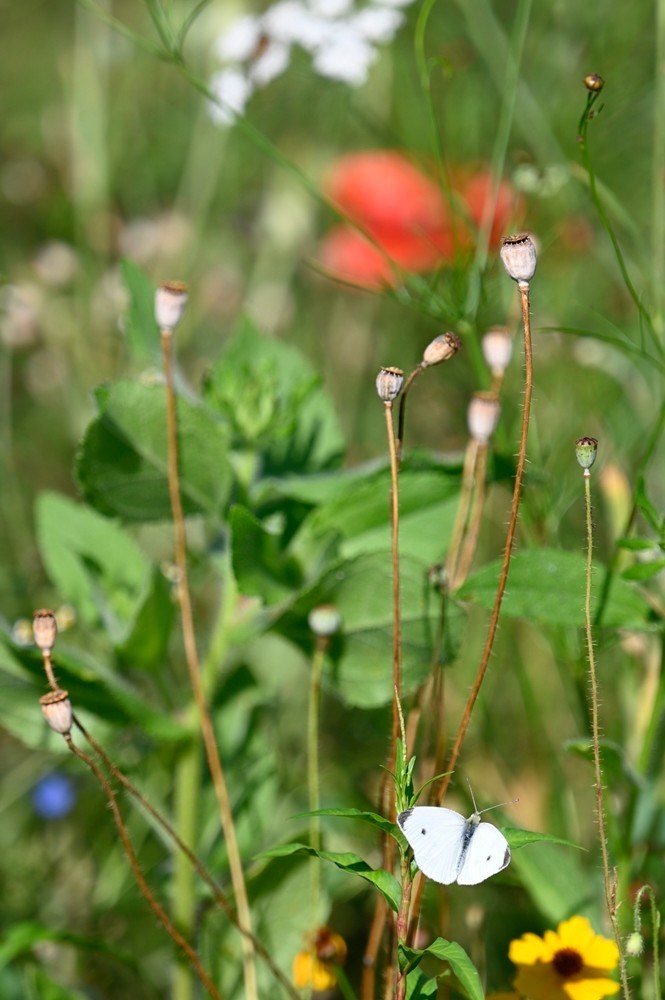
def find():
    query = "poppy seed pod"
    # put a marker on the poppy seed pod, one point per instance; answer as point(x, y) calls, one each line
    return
point(324, 620)
point(594, 82)
point(170, 301)
point(57, 709)
point(518, 254)
point(497, 345)
point(389, 383)
point(483, 416)
point(586, 449)
point(44, 629)
point(442, 348)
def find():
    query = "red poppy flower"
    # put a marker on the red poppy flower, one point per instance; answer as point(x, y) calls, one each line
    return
point(405, 217)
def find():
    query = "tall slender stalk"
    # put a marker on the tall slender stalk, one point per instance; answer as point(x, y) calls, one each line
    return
point(586, 447)
point(194, 669)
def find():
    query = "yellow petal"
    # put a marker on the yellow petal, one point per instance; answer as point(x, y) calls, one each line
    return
point(526, 950)
point(591, 989)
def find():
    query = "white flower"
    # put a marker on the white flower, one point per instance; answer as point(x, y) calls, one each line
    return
point(232, 90)
point(396, 3)
point(331, 8)
point(272, 62)
point(344, 56)
point(286, 20)
point(240, 40)
point(378, 24)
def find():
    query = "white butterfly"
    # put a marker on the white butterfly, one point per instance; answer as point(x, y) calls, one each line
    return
point(449, 848)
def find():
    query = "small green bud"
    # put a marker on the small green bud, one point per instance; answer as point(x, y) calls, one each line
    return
point(585, 451)
point(324, 620)
point(634, 944)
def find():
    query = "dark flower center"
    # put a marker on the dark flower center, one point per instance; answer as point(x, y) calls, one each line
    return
point(567, 962)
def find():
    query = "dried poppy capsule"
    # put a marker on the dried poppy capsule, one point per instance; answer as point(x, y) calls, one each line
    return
point(44, 629)
point(170, 301)
point(518, 254)
point(497, 347)
point(594, 82)
point(483, 416)
point(440, 349)
point(57, 709)
point(586, 449)
point(389, 383)
point(324, 620)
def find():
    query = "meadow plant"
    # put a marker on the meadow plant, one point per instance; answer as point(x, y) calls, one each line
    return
point(285, 646)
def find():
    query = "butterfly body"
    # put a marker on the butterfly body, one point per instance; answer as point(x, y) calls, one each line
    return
point(449, 848)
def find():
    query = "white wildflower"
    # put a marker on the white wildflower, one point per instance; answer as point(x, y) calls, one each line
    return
point(240, 40)
point(270, 64)
point(232, 90)
point(331, 8)
point(344, 56)
point(378, 24)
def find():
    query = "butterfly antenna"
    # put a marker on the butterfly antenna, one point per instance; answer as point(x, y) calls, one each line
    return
point(499, 805)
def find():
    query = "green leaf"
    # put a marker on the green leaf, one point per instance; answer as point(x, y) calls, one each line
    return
point(360, 659)
point(260, 564)
point(645, 570)
point(386, 883)
point(520, 838)
point(617, 766)
point(19, 939)
point(362, 814)
point(122, 464)
point(648, 510)
point(548, 585)
point(147, 641)
point(637, 544)
point(420, 987)
point(460, 964)
point(272, 399)
point(557, 883)
point(93, 563)
point(141, 330)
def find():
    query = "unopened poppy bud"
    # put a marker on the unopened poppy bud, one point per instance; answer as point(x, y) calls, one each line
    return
point(170, 301)
point(594, 82)
point(389, 383)
point(634, 944)
point(57, 709)
point(324, 620)
point(585, 451)
point(518, 254)
point(497, 347)
point(44, 629)
point(483, 416)
point(442, 348)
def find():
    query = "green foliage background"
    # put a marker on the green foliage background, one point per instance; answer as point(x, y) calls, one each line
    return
point(110, 150)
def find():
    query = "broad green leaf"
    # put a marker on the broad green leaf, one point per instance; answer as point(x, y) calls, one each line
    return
point(141, 328)
point(645, 570)
point(20, 939)
point(386, 883)
point(460, 964)
point(557, 882)
point(637, 544)
point(122, 465)
point(520, 838)
point(617, 766)
point(362, 814)
point(93, 563)
point(146, 643)
point(360, 657)
point(260, 565)
point(273, 401)
point(548, 585)
point(420, 987)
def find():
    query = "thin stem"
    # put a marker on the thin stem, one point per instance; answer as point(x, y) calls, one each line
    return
point(403, 923)
point(146, 892)
point(608, 877)
point(313, 779)
point(402, 408)
point(194, 669)
point(471, 540)
point(463, 508)
point(658, 172)
point(218, 895)
point(375, 936)
point(397, 620)
point(48, 667)
point(501, 586)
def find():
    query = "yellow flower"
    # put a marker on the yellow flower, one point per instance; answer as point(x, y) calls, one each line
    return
point(315, 966)
point(571, 963)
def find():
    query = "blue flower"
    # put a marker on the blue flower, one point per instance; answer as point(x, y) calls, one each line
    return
point(53, 796)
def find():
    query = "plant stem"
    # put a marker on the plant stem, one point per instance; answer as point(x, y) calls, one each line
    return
point(608, 877)
point(158, 911)
point(396, 616)
point(186, 789)
point(501, 587)
point(194, 669)
point(313, 782)
point(471, 538)
point(402, 409)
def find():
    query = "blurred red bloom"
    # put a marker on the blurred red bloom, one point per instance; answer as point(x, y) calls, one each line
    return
point(405, 217)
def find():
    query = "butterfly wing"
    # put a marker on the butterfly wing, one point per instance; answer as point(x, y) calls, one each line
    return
point(486, 854)
point(437, 837)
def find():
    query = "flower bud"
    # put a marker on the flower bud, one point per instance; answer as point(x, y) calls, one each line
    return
point(497, 347)
point(634, 944)
point(483, 416)
point(594, 82)
point(57, 709)
point(170, 301)
point(389, 383)
point(441, 349)
point(585, 451)
point(518, 254)
point(44, 629)
point(324, 620)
